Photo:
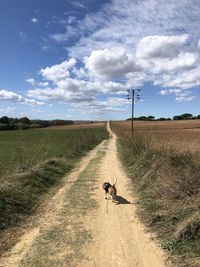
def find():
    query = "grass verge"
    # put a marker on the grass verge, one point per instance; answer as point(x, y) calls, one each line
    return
point(21, 192)
point(167, 182)
point(60, 245)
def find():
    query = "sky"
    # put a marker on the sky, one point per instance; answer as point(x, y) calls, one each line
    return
point(70, 59)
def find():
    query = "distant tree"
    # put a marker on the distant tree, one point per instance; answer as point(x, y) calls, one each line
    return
point(3, 126)
point(24, 123)
point(150, 118)
point(13, 120)
point(24, 120)
point(161, 119)
point(186, 116)
point(178, 117)
point(142, 118)
point(4, 119)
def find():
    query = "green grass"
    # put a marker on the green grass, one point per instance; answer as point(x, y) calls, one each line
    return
point(20, 150)
point(31, 163)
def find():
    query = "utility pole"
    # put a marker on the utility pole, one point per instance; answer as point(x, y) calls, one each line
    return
point(133, 100)
point(131, 96)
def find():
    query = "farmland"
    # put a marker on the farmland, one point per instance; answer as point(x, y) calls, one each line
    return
point(33, 161)
point(21, 150)
point(162, 161)
point(180, 134)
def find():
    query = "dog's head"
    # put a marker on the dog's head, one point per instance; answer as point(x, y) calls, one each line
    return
point(105, 186)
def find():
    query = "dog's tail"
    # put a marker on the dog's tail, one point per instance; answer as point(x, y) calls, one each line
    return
point(115, 181)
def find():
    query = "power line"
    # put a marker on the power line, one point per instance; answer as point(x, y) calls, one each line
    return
point(133, 95)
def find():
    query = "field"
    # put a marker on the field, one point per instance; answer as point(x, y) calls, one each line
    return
point(77, 126)
point(162, 160)
point(180, 134)
point(31, 163)
point(21, 150)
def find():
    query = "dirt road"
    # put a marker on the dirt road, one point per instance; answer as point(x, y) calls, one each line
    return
point(78, 227)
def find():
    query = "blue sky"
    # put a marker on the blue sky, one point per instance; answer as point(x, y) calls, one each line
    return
point(73, 59)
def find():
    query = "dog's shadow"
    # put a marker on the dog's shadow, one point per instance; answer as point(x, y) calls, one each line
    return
point(122, 200)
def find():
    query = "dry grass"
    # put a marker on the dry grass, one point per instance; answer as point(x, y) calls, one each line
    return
point(181, 134)
point(165, 170)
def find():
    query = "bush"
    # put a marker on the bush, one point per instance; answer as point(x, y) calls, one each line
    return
point(3, 126)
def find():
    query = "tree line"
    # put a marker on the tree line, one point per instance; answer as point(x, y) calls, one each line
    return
point(184, 116)
point(24, 123)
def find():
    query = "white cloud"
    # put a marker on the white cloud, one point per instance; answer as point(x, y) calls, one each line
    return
point(59, 71)
point(180, 95)
point(160, 46)
point(34, 83)
point(111, 63)
point(183, 80)
point(13, 97)
point(69, 33)
point(115, 70)
point(34, 20)
point(72, 90)
point(125, 22)
point(77, 4)
point(165, 60)
point(10, 96)
point(31, 81)
point(183, 61)
point(184, 97)
point(170, 91)
point(80, 73)
point(71, 19)
point(47, 48)
point(59, 37)
point(33, 102)
point(165, 53)
point(97, 107)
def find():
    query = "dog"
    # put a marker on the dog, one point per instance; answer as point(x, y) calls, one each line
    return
point(111, 191)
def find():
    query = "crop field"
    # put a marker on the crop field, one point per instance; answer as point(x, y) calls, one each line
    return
point(162, 160)
point(21, 150)
point(77, 126)
point(32, 162)
point(182, 134)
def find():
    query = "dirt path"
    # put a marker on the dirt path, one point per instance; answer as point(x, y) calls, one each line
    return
point(119, 237)
point(80, 228)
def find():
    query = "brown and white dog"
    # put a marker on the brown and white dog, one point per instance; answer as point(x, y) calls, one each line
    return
point(111, 191)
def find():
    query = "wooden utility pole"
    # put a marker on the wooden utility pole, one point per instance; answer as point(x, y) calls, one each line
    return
point(133, 100)
point(131, 97)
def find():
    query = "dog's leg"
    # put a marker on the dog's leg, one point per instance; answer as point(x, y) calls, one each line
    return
point(105, 195)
